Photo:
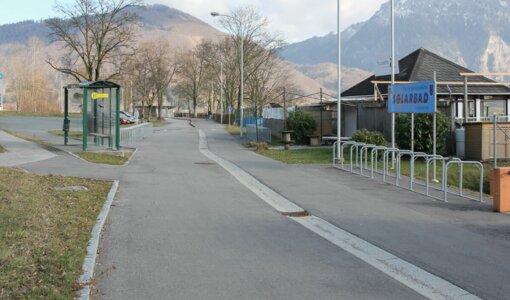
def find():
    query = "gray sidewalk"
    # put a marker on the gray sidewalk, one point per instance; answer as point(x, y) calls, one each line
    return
point(20, 151)
point(462, 241)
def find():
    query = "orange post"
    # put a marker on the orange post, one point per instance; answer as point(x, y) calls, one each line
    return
point(500, 182)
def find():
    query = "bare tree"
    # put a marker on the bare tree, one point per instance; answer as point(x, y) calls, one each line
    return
point(248, 26)
point(191, 74)
point(163, 68)
point(93, 32)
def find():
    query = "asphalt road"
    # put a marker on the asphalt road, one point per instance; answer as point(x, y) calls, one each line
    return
point(183, 228)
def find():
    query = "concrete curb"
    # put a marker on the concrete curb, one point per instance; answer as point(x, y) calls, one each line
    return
point(278, 202)
point(90, 259)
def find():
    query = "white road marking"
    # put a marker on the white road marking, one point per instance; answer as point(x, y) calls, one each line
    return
point(419, 280)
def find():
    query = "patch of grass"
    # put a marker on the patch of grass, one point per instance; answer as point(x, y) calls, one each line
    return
point(106, 158)
point(159, 123)
point(300, 156)
point(2, 149)
point(324, 156)
point(36, 114)
point(234, 129)
point(72, 134)
point(26, 138)
point(44, 233)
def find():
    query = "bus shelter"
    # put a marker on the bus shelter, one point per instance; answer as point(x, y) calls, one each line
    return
point(100, 113)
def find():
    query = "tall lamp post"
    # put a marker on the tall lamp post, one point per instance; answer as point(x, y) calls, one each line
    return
point(241, 89)
point(339, 85)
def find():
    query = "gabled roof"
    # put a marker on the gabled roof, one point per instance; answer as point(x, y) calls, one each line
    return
point(420, 66)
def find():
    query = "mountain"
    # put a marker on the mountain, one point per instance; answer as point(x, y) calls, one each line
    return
point(181, 30)
point(472, 33)
point(325, 74)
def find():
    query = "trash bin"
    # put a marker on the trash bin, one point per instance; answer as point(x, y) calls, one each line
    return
point(500, 182)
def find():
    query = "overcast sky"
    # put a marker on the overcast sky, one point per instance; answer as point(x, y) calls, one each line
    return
point(295, 19)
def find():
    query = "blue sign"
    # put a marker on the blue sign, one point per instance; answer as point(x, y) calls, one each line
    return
point(229, 109)
point(1, 76)
point(419, 98)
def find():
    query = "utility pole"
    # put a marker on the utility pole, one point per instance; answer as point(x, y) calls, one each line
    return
point(339, 84)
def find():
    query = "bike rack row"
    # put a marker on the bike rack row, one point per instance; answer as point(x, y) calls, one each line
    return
point(359, 164)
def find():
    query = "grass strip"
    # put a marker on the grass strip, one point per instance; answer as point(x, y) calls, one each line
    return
point(44, 233)
point(324, 156)
point(159, 123)
point(36, 114)
point(105, 157)
point(300, 156)
point(72, 134)
point(26, 138)
point(2, 149)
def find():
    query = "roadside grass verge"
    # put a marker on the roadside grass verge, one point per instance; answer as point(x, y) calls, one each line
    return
point(26, 138)
point(44, 233)
point(116, 159)
point(36, 114)
point(324, 156)
point(2, 149)
point(72, 134)
point(300, 156)
point(159, 123)
point(234, 129)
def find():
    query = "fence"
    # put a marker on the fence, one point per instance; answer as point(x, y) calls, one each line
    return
point(359, 163)
point(258, 133)
point(129, 135)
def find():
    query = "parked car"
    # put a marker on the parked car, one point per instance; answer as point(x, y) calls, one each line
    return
point(127, 117)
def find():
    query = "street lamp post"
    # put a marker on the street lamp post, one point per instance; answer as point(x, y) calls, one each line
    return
point(339, 86)
point(241, 64)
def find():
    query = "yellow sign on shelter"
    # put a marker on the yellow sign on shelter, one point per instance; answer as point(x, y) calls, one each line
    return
point(99, 96)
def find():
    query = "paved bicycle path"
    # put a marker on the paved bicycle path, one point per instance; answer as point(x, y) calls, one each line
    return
point(462, 241)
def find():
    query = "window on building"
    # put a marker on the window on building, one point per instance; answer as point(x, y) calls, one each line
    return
point(493, 107)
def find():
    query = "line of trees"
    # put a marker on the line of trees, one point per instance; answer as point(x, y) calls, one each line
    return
point(99, 42)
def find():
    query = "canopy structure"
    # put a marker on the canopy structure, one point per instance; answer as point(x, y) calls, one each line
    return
point(100, 112)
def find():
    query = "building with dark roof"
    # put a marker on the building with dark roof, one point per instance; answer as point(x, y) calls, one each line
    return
point(366, 101)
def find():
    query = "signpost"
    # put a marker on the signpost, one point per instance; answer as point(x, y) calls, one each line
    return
point(415, 98)
point(229, 110)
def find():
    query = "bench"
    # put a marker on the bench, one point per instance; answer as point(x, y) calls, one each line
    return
point(102, 137)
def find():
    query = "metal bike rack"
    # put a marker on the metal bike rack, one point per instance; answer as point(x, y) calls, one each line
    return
point(443, 161)
point(386, 159)
point(342, 148)
point(357, 147)
point(461, 170)
point(364, 149)
point(401, 154)
point(413, 159)
point(374, 158)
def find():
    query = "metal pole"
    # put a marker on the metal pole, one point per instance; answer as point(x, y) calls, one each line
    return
point(321, 113)
point(117, 118)
point(339, 83)
point(85, 118)
point(66, 116)
point(412, 132)
point(221, 92)
point(435, 127)
point(466, 109)
point(495, 125)
point(392, 75)
point(242, 83)
point(284, 110)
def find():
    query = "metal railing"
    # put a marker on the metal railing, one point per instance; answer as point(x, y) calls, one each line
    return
point(263, 133)
point(132, 134)
point(359, 162)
